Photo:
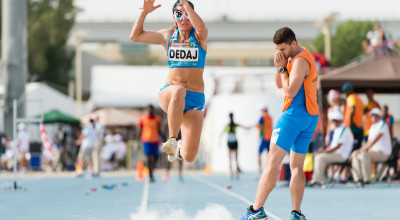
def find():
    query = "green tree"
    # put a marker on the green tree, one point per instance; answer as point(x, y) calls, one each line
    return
point(346, 41)
point(49, 24)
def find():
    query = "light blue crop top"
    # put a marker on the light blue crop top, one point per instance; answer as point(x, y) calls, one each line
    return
point(185, 54)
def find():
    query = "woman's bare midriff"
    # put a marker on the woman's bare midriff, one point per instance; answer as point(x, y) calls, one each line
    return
point(190, 78)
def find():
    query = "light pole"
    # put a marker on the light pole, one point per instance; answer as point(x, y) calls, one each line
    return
point(14, 58)
point(76, 40)
point(325, 25)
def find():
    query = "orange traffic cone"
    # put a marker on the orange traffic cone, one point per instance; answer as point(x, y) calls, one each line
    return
point(207, 169)
point(139, 171)
point(78, 169)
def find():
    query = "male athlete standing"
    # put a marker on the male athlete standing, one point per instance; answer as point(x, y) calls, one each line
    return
point(297, 76)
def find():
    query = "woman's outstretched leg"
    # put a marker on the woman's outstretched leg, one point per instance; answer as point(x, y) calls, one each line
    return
point(172, 101)
point(191, 131)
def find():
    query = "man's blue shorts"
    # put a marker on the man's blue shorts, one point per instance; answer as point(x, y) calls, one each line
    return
point(294, 132)
point(150, 148)
point(193, 100)
point(264, 144)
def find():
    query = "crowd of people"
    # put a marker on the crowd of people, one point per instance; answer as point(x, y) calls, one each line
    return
point(378, 43)
point(100, 149)
point(18, 148)
point(92, 149)
point(358, 133)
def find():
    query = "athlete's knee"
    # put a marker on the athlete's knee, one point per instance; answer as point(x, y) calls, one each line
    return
point(297, 170)
point(273, 161)
point(189, 156)
point(178, 93)
point(272, 167)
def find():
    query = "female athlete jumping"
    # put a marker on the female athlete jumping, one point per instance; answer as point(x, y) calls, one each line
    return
point(182, 97)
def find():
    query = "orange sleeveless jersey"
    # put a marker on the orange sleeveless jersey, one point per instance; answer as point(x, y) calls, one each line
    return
point(354, 100)
point(310, 84)
point(267, 124)
point(150, 128)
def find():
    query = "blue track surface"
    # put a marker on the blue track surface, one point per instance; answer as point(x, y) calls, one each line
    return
point(199, 197)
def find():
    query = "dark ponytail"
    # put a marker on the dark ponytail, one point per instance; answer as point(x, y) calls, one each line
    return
point(231, 123)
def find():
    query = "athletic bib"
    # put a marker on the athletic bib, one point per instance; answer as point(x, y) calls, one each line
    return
point(185, 54)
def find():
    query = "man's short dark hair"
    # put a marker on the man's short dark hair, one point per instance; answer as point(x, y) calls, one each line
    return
point(284, 35)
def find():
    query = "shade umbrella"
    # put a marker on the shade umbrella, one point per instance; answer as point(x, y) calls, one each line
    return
point(382, 74)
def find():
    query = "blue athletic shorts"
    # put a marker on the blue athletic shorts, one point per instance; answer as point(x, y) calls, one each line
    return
point(150, 148)
point(264, 144)
point(294, 132)
point(193, 100)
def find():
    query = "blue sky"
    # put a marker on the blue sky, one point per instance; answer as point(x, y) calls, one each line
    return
point(240, 10)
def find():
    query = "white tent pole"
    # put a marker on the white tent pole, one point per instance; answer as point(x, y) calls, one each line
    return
point(15, 140)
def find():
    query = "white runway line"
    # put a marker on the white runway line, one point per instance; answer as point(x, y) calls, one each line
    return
point(145, 196)
point(7, 184)
point(215, 186)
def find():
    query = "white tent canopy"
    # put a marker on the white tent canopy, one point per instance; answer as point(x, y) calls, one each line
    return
point(42, 98)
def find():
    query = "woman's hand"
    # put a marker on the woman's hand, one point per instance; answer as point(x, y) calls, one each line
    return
point(148, 6)
point(183, 2)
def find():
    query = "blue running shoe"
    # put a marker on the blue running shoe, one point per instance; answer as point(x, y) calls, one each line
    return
point(259, 215)
point(297, 216)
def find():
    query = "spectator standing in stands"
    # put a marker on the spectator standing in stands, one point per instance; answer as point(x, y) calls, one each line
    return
point(353, 115)
point(97, 146)
point(23, 146)
point(377, 149)
point(382, 45)
point(87, 141)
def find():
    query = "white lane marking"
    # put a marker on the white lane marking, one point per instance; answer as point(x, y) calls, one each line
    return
point(145, 196)
point(233, 195)
point(8, 184)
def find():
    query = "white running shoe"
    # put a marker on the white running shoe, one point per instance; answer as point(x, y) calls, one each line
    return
point(177, 153)
point(170, 147)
